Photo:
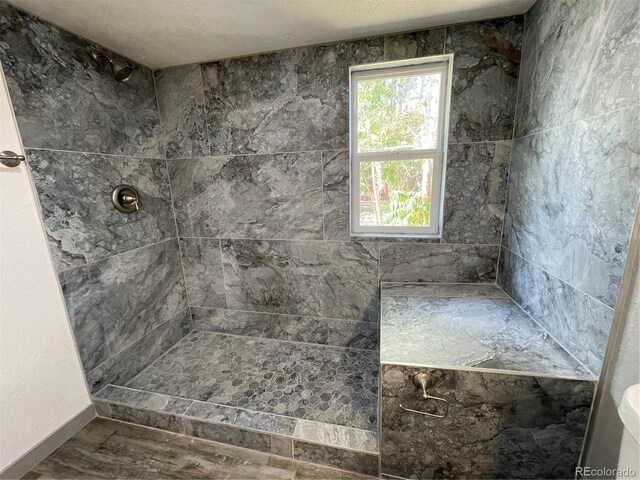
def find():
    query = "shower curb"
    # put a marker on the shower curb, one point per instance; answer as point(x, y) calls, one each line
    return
point(315, 442)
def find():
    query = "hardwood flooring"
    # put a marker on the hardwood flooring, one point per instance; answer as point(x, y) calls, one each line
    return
point(111, 449)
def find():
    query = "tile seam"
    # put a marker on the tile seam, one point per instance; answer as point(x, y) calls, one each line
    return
point(320, 345)
point(573, 122)
point(94, 262)
point(564, 282)
point(296, 315)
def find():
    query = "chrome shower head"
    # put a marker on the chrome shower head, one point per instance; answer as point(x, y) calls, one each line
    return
point(120, 69)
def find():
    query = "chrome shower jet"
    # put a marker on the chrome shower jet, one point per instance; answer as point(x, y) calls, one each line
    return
point(120, 69)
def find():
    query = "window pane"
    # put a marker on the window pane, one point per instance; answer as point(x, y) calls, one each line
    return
point(396, 193)
point(398, 113)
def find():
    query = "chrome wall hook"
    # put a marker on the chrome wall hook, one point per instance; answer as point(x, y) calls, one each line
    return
point(423, 381)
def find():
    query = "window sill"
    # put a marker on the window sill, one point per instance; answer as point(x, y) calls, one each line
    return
point(397, 236)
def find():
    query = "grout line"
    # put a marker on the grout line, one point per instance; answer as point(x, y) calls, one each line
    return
point(366, 240)
point(205, 110)
point(134, 157)
point(444, 44)
point(586, 119)
point(522, 373)
point(188, 408)
point(269, 339)
point(504, 212)
point(263, 154)
point(480, 142)
point(93, 262)
point(162, 126)
point(256, 312)
point(173, 209)
point(560, 344)
point(558, 279)
point(513, 134)
point(322, 154)
point(224, 277)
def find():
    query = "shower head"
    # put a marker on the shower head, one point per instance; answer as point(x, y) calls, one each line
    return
point(120, 69)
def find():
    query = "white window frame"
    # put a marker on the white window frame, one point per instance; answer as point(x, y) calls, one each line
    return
point(439, 63)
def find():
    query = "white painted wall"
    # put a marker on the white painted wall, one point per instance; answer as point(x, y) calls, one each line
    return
point(622, 369)
point(42, 384)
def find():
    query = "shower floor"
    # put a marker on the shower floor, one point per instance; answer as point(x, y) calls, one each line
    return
point(319, 383)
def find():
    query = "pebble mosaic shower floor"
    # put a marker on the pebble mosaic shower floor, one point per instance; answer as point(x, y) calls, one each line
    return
point(325, 384)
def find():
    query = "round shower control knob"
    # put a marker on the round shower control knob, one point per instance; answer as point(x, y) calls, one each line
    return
point(125, 199)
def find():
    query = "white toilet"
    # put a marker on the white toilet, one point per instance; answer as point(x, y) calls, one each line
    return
point(629, 411)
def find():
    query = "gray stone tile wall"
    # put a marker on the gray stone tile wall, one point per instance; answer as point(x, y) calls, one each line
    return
point(84, 134)
point(575, 170)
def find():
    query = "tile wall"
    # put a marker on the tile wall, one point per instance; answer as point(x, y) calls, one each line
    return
point(575, 175)
point(259, 171)
point(85, 133)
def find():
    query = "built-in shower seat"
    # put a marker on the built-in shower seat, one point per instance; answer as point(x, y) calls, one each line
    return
point(473, 387)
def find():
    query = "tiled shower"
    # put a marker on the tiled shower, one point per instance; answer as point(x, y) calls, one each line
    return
point(236, 305)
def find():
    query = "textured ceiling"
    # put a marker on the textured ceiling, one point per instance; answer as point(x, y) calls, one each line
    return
point(160, 33)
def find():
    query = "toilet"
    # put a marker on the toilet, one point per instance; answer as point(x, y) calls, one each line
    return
point(629, 412)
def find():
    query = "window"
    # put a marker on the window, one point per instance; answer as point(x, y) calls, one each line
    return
point(398, 145)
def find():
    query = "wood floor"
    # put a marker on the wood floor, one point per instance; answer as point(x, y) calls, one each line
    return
point(110, 449)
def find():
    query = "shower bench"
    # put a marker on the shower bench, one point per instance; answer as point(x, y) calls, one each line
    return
point(472, 387)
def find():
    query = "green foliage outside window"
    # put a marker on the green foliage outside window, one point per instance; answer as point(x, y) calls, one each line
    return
point(397, 114)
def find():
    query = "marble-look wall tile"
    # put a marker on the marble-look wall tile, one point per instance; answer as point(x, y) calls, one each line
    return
point(441, 263)
point(579, 322)
point(335, 192)
point(572, 198)
point(181, 104)
point(127, 363)
point(286, 101)
point(580, 60)
point(485, 79)
point(114, 302)
point(475, 192)
point(252, 196)
point(336, 457)
point(325, 279)
point(64, 100)
point(415, 44)
point(498, 426)
point(203, 275)
point(344, 333)
point(292, 328)
point(75, 194)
